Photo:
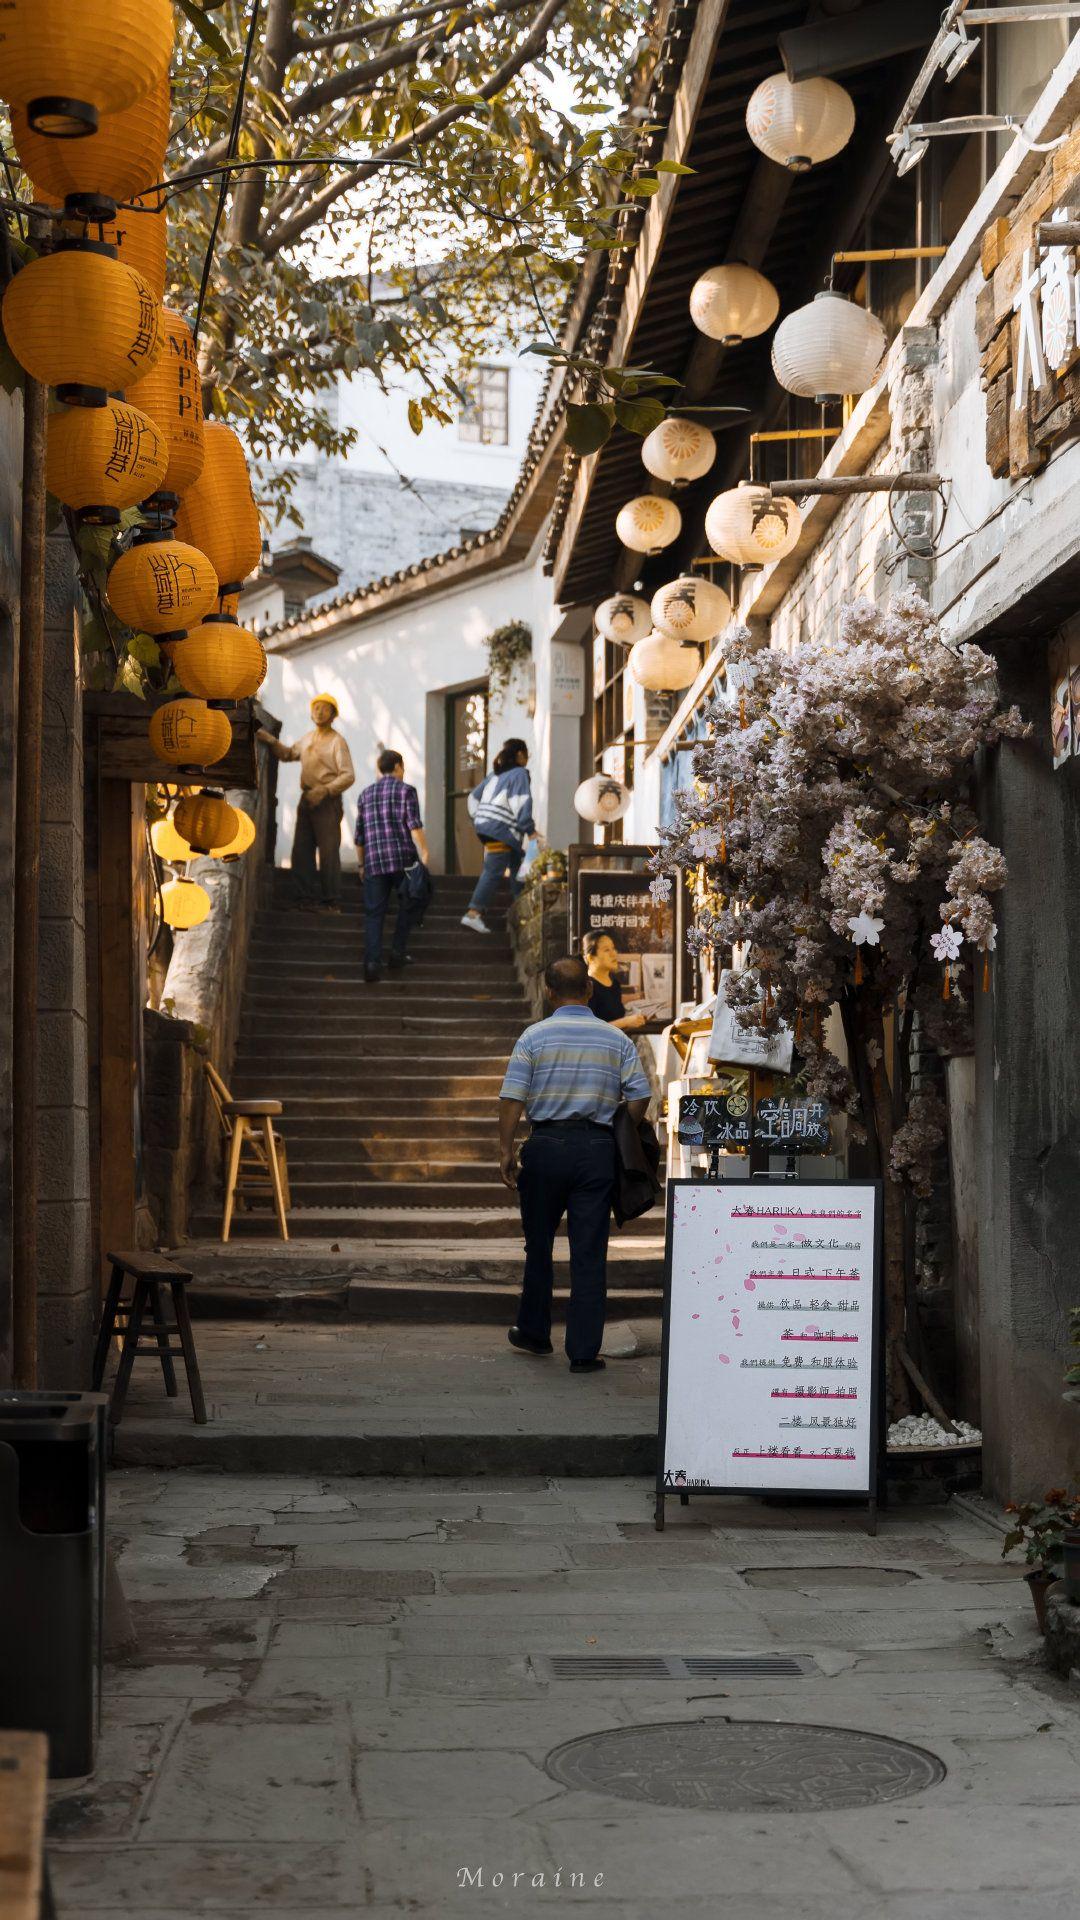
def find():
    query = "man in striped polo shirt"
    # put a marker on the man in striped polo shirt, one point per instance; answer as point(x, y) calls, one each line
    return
point(568, 1073)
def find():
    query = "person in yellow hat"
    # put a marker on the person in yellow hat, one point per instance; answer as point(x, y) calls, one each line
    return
point(326, 772)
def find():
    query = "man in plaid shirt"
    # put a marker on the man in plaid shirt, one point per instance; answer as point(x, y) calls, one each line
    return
point(389, 838)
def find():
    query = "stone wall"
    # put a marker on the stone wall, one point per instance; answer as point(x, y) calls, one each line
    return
point(539, 933)
point(371, 524)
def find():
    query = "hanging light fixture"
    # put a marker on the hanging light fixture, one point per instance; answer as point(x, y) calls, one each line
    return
point(750, 527)
point(77, 317)
point(800, 123)
point(188, 733)
point(648, 523)
point(206, 821)
point(733, 302)
point(219, 660)
point(172, 396)
point(161, 585)
point(678, 451)
point(184, 903)
point(623, 618)
point(66, 65)
point(124, 157)
point(167, 843)
point(218, 513)
point(602, 799)
point(662, 664)
point(691, 609)
point(102, 456)
point(244, 838)
point(828, 348)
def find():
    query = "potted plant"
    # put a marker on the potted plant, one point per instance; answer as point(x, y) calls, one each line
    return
point(1042, 1528)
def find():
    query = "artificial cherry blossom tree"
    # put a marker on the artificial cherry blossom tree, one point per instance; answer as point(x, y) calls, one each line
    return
point(831, 812)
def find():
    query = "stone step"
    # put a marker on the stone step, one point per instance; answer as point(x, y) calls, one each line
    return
point(418, 1224)
point(355, 1186)
point(336, 992)
point(353, 1078)
point(406, 1300)
point(355, 1022)
point(439, 1168)
point(397, 1133)
point(258, 1050)
point(343, 934)
point(370, 1105)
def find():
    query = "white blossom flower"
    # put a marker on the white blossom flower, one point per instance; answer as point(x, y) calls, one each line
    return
point(865, 930)
point(947, 943)
point(988, 944)
point(660, 888)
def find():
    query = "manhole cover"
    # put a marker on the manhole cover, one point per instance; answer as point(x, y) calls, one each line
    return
point(745, 1766)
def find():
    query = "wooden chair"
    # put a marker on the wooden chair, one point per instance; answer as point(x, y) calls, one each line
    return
point(255, 1158)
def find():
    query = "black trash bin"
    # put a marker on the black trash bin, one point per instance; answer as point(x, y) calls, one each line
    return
point(52, 1570)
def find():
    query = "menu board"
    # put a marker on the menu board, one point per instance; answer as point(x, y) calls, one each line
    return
point(770, 1376)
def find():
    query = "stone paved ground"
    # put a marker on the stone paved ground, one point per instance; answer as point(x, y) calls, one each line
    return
point(339, 1701)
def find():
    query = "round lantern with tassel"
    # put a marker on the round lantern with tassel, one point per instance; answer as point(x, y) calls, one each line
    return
point(102, 458)
point(751, 527)
point(733, 302)
point(161, 585)
point(662, 664)
point(65, 65)
point(184, 903)
point(678, 451)
point(828, 348)
point(188, 733)
point(219, 660)
point(167, 843)
point(218, 513)
point(648, 523)
point(79, 317)
point(602, 799)
point(623, 618)
point(206, 821)
point(691, 609)
point(172, 395)
point(124, 157)
point(243, 839)
point(800, 123)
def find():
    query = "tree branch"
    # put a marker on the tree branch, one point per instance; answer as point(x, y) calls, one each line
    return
point(346, 35)
point(349, 81)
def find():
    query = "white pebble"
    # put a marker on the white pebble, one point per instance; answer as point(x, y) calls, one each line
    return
point(921, 1430)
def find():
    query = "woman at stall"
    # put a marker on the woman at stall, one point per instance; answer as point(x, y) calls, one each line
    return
point(602, 960)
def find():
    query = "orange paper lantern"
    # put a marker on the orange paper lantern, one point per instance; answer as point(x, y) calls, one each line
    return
point(188, 733)
point(161, 585)
point(78, 317)
point(219, 660)
point(172, 396)
point(167, 843)
point(184, 903)
point(243, 839)
point(65, 65)
point(102, 459)
point(218, 514)
point(206, 821)
point(123, 158)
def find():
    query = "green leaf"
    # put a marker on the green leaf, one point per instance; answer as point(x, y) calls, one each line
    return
point(673, 166)
point(144, 650)
point(206, 30)
point(642, 189)
point(587, 427)
point(416, 416)
point(640, 416)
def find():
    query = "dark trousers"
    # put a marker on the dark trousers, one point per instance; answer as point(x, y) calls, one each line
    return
point(377, 890)
point(318, 832)
point(567, 1170)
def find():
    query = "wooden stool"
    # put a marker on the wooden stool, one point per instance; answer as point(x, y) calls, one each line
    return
point(255, 1160)
point(151, 1273)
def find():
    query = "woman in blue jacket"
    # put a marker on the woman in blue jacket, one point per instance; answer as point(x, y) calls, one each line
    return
point(501, 809)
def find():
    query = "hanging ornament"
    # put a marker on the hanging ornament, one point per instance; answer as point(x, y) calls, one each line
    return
point(161, 585)
point(662, 664)
point(78, 317)
point(733, 303)
point(691, 609)
point(866, 931)
point(829, 348)
point(101, 459)
point(678, 451)
point(206, 821)
point(218, 514)
point(219, 660)
point(602, 799)
point(800, 123)
point(167, 843)
point(188, 733)
point(123, 158)
point(172, 395)
point(64, 64)
point(752, 527)
point(184, 903)
point(648, 523)
point(623, 618)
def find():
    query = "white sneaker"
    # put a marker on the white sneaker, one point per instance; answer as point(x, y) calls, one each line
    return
point(474, 921)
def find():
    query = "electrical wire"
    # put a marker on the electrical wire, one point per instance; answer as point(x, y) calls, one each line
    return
point(223, 191)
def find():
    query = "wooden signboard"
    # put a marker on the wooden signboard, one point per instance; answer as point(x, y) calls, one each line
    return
point(771, 1372)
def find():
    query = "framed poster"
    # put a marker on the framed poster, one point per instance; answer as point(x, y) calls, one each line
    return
point(611, 895)
point(770, 1376)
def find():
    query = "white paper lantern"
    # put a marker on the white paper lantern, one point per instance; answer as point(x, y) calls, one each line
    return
point(750, 527)
point(691, 609)
point(733, 302)
point(601, 799)
point(648, 523)
point(679, 451)
point(662, 664)
point(623, 618)
point(800, 123)
point(827, 348)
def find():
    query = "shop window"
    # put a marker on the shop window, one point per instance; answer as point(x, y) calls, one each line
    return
point(485, 416)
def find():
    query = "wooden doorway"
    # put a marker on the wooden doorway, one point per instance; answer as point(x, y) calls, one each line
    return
point(466, 765)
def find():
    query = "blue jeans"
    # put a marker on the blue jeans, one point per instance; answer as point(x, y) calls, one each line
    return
point(567, 1170)
point(377, 890)
point(495, 865)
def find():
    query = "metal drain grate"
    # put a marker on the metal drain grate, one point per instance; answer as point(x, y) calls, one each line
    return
point(670, 1666)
